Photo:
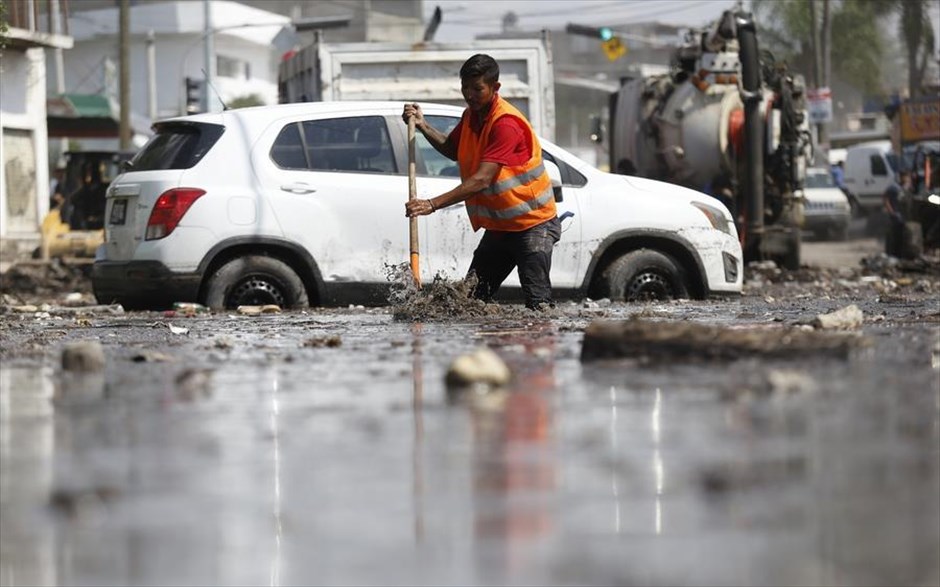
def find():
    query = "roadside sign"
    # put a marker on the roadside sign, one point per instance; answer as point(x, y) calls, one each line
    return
point(819, 104)
point(614, 48)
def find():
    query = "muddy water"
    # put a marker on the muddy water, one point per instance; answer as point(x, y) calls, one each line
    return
point(324, 448)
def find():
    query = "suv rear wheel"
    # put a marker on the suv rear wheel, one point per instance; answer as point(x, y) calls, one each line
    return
point(255, 280)
point(643, 274)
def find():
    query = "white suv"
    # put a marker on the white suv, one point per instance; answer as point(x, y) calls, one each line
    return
point(301, 204)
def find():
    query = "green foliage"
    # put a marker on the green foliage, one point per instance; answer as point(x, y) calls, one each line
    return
point(857, 44)
point(246, 101)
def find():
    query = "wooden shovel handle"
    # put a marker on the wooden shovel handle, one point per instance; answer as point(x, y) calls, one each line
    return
point(412, 194)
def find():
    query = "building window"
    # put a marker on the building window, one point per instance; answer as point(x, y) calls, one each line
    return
point(231, 67)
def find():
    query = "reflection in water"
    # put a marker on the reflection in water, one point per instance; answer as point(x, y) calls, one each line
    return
point(614, 450)
point(658, 460)
point(275, 430)
point(514, 462)
point(417, 403)
point(27, 451)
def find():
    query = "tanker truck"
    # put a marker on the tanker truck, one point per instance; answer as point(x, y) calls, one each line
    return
point(726, 120)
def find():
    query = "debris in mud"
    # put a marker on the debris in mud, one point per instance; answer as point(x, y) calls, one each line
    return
point(177, 329)
point(653, 341)
point(847, 318)
point(438, 300)
point(323, 341)
point(34, 279)
point(258, 310)
point(85, 356)
point(482, 367)
point(442, 300)
point(152, 357)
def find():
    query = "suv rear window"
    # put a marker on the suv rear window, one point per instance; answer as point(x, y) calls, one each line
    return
point(177, 145)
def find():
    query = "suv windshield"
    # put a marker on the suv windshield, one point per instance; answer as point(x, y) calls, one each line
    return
point(177, 145)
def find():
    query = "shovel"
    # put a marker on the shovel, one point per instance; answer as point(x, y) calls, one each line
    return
point(412, 194)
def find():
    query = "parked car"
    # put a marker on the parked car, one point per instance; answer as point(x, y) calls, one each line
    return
point(826, 211)
point(300, 204)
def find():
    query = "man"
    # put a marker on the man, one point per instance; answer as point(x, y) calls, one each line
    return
point(893, 206)
point(838, 178)
point(504, 183)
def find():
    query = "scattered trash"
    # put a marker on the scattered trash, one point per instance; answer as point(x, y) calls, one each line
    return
point(482, 366)
point(323, 341)
point(223, 343)
point(652, 341)
point(74, 299)
point(83, 356)
point(847, 318)
point(189, 308)
point(177, 329)
point(258, 310)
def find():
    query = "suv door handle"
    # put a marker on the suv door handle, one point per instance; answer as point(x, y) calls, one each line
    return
point(298, 188)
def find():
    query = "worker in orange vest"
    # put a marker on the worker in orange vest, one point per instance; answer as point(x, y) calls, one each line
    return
point(503, 182)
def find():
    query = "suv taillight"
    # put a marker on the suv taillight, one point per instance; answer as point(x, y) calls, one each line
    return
point(169, 209)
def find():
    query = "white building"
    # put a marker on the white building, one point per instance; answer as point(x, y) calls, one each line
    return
point(246, 42)
point(24, 174)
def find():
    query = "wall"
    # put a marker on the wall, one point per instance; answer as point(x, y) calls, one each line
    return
point(24, 174)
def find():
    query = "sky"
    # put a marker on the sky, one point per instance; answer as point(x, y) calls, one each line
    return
point(464, 19)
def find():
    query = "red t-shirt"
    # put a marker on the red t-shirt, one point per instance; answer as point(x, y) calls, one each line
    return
point(507, 144)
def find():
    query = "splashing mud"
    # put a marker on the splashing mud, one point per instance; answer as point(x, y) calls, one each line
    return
point(441, 300)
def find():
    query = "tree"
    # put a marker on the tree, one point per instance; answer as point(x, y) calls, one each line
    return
point(917, 34)
point(246, 101)
point(856, 41)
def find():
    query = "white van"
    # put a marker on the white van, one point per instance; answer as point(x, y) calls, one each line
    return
point(869, 169)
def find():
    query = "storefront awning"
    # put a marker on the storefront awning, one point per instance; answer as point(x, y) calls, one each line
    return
point(88, 116)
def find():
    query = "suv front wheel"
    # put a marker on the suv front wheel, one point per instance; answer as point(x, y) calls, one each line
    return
point(643, 274)
point(255, 280)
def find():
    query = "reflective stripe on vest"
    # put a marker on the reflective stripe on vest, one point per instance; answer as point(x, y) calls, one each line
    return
point(514, 182)
point(518, 210)
point(520, 196)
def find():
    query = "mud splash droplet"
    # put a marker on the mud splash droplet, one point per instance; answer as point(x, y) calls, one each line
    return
point(436, 301)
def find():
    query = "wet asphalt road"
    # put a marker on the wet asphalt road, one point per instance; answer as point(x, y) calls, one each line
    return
point(323, 448)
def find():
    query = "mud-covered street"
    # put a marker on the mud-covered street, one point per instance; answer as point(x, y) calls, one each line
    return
point(325, 446)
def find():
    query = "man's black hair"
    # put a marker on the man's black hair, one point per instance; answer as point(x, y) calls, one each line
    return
point(480, 65)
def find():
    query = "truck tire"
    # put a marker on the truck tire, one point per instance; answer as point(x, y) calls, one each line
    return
point(641, 275)
point(255, 280)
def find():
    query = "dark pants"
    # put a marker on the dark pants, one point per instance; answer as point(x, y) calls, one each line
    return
point(530, 250)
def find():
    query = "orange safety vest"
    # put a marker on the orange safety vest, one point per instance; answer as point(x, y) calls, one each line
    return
point(520, 196)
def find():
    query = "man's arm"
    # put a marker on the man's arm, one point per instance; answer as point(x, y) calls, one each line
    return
point(437, 139)
point(479, 181)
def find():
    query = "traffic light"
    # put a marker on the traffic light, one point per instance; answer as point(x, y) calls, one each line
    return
point(603, 33)
point(611, 44)
point(193, 95)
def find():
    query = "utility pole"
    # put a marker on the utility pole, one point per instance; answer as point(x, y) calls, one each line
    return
point(209, 46)
point(55, 10)
point(125, 77)
point(826, 51)
point(151, 76)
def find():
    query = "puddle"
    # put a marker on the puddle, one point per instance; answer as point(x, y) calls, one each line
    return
point(321, 447)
